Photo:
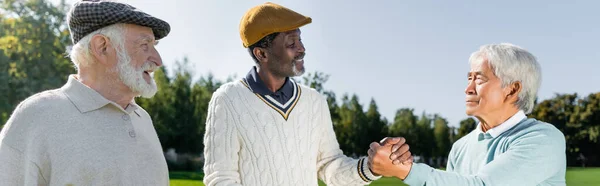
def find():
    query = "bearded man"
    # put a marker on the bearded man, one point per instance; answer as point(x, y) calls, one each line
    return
point(90, 131)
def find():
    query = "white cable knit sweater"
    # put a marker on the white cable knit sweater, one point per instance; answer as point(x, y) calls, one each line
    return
point(247, 142)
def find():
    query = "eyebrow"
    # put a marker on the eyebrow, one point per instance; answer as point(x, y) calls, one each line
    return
point(145, 38)
point(293, 37)
point(476, 73)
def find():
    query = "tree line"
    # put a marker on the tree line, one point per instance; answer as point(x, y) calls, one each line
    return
point(34, 38)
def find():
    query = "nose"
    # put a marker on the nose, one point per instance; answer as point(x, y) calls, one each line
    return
point(470, 90)
point(301, 47)
point(155, 57)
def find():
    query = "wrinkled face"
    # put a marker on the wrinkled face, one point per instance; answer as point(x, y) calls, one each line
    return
point(286, 55)
point(484, 92)
point(138, 61)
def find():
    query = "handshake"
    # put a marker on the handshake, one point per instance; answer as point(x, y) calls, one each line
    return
point(390, 158)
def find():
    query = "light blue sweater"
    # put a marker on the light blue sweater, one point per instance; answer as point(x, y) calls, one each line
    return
point(530, 153)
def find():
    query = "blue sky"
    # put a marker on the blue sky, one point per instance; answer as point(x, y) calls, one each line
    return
point(400, 53)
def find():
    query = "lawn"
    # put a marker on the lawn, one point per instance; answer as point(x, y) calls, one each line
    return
point(583, 176)
point(185, 179)
point(575, 177)
point(178, 182)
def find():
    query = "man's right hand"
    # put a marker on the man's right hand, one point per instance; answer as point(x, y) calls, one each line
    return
point(390, 158)
point(400, 149)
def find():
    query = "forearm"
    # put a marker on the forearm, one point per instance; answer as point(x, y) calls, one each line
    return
point(421, 174)
point(507, 169)
point(334, 167)
point(342, 170)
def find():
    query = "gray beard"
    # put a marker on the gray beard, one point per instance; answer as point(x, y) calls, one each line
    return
point(279, 69)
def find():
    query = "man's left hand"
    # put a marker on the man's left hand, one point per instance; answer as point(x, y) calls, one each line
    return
point(400, 149)
point(382, 155)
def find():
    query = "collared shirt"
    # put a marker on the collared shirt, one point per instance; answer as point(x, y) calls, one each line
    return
point(503, 127)
point(283, 95)
point(520, 151)
point(75, 136)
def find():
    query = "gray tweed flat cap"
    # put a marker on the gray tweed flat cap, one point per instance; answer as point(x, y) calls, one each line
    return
point(90, 15)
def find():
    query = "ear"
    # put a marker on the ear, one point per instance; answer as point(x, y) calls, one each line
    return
point(260, 54)
point(100, 48)
point(513, 91)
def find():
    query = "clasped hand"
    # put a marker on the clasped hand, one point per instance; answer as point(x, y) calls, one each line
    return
point(390, 158)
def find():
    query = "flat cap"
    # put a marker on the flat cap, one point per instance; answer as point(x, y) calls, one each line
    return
point(268, 18)
point(87, 16)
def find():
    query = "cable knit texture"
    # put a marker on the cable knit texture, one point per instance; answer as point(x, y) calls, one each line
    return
point(249, 143)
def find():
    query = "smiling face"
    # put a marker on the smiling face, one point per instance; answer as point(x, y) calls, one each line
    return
point(504, 78)
point(286, 55)
point(138, 60)
point(484, 92)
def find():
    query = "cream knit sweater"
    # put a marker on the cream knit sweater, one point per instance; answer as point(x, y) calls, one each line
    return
point(247, 142)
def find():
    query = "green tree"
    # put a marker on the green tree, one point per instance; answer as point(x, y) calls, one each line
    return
point(185, 126)
point(466, 126)
point(404, 123)
point(376, 128)
point(588, 136)
point(442, 133)
point(351, 129)
point(453, 135)
point(33, 41)
point(589, 115)
point(423, 142)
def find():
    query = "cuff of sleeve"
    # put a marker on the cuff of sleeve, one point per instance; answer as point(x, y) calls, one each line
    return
point(418, 174)
point(364, 172)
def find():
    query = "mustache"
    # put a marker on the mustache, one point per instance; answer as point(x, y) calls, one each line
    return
point(149, 66)
point(300, 56)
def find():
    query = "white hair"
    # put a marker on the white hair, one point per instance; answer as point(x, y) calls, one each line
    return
point(127, 74)
point(80, 53)
point(511, 63)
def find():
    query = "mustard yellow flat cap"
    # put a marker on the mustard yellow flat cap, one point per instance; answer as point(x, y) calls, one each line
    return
point(268, 18)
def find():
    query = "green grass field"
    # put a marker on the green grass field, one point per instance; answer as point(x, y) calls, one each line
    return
point(575, 177)
point(185, 179)
point(177, 182)
point(583, 176)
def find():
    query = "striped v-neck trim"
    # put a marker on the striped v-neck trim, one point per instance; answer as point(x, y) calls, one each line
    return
point(283, 109)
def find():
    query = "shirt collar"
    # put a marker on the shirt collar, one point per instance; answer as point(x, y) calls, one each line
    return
point(87, 99)
point(503, 127)
point(258, 86)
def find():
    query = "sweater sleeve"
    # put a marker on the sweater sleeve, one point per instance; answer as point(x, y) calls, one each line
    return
point(221, 144)
point(531, 159)
point(334, 167)
point(452, 156)
point(12, 169)
point(15, 168)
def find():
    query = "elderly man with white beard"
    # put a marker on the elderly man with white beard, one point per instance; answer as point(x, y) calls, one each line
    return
point(90, 131)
